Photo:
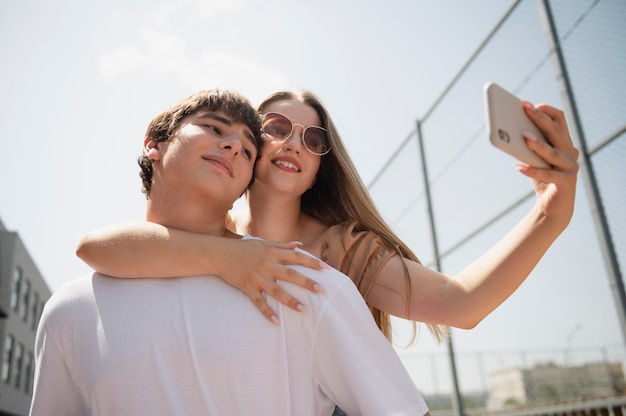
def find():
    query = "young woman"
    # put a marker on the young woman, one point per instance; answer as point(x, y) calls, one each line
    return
point(306, 189)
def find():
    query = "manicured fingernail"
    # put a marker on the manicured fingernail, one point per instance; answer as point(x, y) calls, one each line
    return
point(530, 136)
point(301, 307)
point(529, 106)
point(275, 320)
point(297, 242)
point(318, 288)
point(521, 167)
point(324, 265)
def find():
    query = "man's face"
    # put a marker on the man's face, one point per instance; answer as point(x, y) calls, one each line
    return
point(208, 155)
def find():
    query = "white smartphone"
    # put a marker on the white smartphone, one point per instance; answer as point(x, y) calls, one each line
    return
point(506, 121)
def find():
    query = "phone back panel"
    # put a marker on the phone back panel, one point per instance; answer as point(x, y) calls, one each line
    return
point(505, 123)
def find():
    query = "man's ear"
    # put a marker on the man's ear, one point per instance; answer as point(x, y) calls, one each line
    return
point(151, 149)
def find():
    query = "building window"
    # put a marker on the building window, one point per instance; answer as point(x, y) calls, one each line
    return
point(28, 372)
point(15, 292)
point(34, 315)
point(7, 358)
point(25, 298)
point(17, 370)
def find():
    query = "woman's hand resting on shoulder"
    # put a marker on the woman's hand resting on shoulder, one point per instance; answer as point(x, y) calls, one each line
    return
point(255, 267)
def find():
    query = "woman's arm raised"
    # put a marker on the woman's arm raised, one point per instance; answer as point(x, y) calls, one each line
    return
point(463, 300)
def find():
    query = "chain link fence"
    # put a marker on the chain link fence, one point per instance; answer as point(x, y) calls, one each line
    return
point(565, 319)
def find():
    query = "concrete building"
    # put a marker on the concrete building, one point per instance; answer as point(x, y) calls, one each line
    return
point(551, 383)
point(23, 292)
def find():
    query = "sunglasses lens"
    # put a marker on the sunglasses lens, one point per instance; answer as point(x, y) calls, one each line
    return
point(276, 126)
point(315, 140)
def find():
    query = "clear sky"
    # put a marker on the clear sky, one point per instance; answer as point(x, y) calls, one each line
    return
point(80, 80)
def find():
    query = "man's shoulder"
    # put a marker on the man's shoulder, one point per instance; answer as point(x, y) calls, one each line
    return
point(333, 278)
point(338, 289)
point(77, 284)
point(71, 292)
point(329, 278)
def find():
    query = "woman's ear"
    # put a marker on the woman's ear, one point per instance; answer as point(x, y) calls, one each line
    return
point(151, 149)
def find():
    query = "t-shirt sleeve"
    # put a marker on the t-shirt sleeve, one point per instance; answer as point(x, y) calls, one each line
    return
point(355, 365)
point(54, 392)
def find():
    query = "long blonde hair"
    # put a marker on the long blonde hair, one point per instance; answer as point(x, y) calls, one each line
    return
point(339, 195)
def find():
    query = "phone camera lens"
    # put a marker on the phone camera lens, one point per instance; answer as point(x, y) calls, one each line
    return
point(503, 135)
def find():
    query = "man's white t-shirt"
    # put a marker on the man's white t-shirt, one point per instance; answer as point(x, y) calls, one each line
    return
point(197, 346)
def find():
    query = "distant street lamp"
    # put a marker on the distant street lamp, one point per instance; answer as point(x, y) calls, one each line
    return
point(568, 344)
point(567, 353)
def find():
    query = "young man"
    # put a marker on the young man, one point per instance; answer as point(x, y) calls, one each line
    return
point(195, 345)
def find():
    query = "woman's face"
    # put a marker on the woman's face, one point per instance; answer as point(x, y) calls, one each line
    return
point(287, 166)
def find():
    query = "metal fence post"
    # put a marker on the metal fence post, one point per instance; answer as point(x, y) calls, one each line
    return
point(457, 402)
point(586, 169)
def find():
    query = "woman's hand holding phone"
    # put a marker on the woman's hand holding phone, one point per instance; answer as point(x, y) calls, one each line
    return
point(538, 137)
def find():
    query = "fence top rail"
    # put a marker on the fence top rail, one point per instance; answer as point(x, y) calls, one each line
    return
point(567, 408)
